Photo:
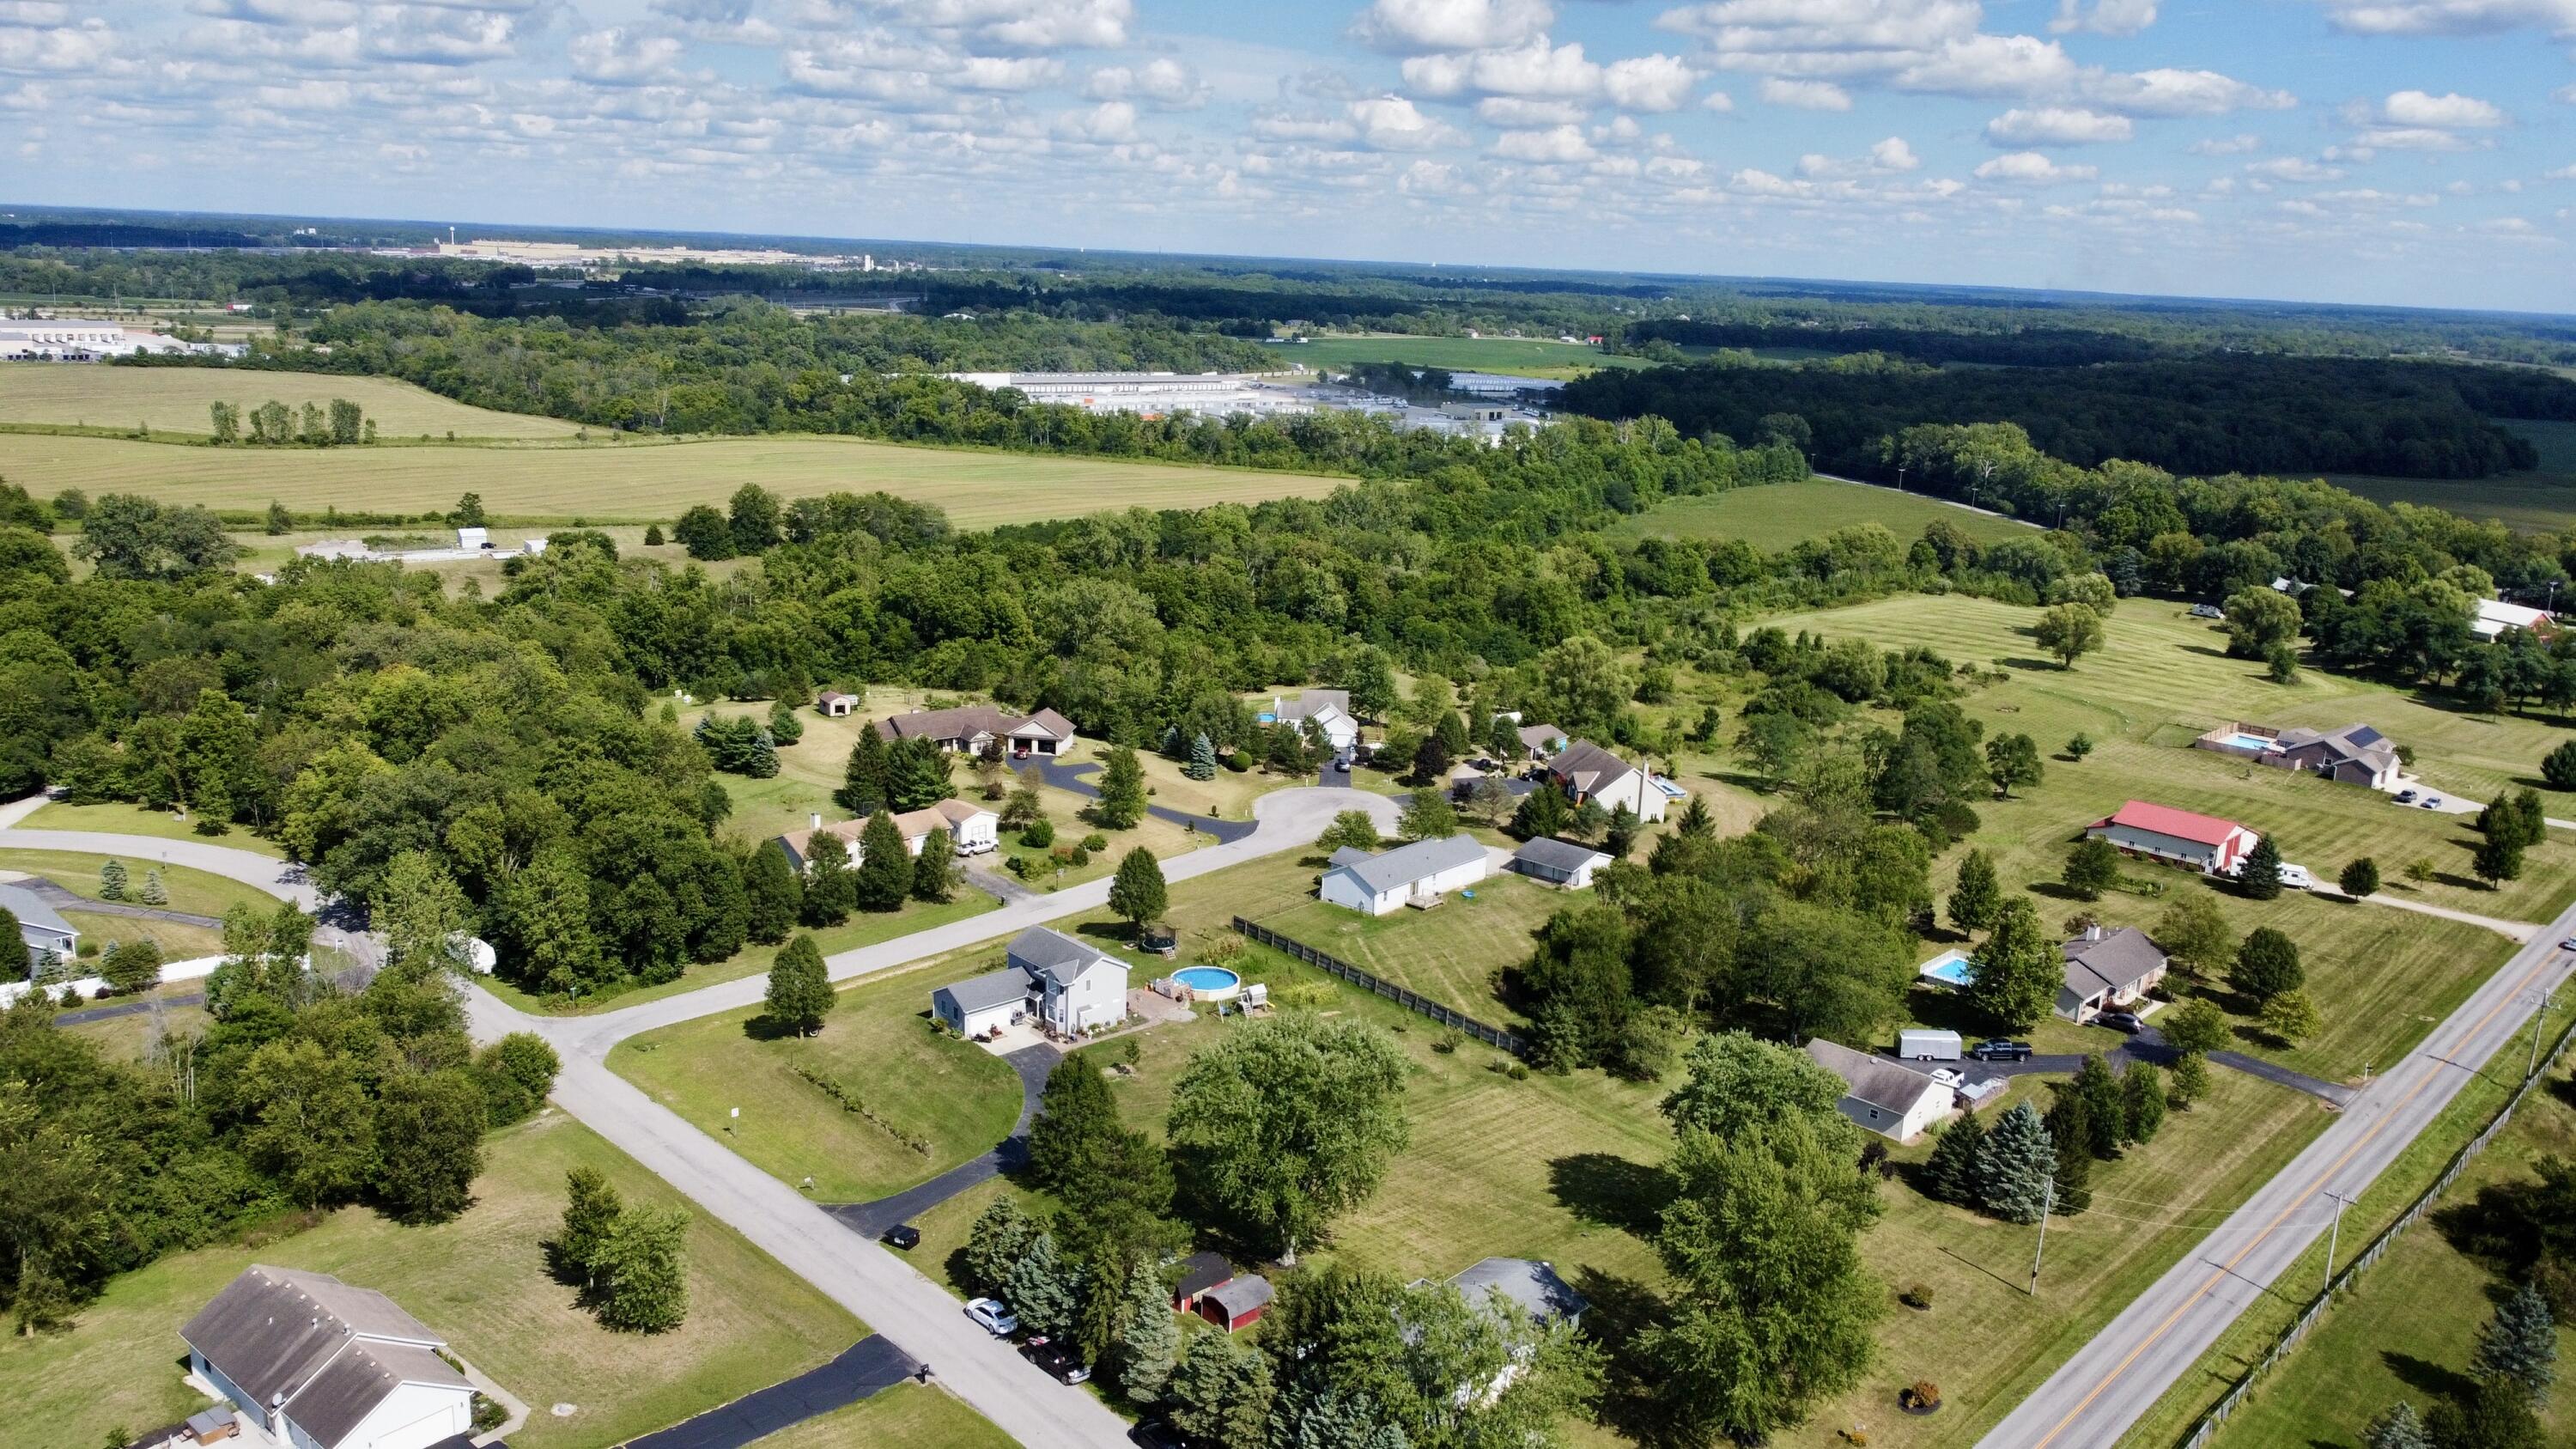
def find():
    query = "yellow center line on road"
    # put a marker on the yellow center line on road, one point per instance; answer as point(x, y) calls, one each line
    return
point(2228, 1269)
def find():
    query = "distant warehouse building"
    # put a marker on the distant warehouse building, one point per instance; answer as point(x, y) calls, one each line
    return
point(1149, 394)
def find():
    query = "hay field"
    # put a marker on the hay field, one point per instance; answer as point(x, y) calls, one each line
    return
point(1778, 515)
point(175, 399)
point(629, 481)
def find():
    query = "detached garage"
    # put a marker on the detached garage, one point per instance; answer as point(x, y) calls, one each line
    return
point(981, 1004)
point(1237, 1302)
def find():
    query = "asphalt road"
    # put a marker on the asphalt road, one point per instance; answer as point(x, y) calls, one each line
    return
point(2097, 1395)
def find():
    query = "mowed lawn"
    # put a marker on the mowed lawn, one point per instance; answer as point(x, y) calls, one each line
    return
point(121, 818)
point(481, 1280)
point(1777, 515)
point(177, 400)
point(907, 1416)
point(1454, 953)
point(633, 481)
point(2381, 976)
point(878, 1044)
point(193, 891)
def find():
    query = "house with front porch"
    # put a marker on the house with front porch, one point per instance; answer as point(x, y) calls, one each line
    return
point(2108, 971)
point(970, 729)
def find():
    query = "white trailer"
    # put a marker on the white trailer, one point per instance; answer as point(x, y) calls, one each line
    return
point(1928, 1046)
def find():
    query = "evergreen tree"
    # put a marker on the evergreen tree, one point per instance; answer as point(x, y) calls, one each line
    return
point(1042, 1287)
point(2359, 879)
point(13, 948)
point(934, 871)
point(2105, 1108)
point(154, 892)
point(2558, 767)
point(2017, 971)
point(2259, 874)
point(112, 880)
point(591, 1207)
point(2397, 1427)
point(784, 727)
point(1202, 765)
point(1139, 893)
point(1122, 790)
point(774, 892)
point(2519, 1344)
point(884, 876)
point(917, 775)
point(2142, 1101)
point(1976, 899)
point(996, 1242)
point(2014, 1163)
point(1542, 812)
point(2070, 1132)
point(831, 887)
point(645, 1264)
point(1220, 1393)
point(1951, 1173)
point(800, 988)
point(1621, 837)
point(1077, 1126)
point(1695, 822)
point(864, 780)
point(1150, 1344)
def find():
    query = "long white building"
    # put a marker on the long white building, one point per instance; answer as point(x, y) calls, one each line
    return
point(1150, 394)
point(82, 339)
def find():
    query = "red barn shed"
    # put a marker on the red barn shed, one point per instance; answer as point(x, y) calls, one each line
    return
point(1199, 1273)
point(1236, 1302)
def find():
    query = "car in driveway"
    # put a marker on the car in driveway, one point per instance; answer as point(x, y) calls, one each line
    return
point(993, 1316)
point(2404, 797)
point(2125, 1021)
point(2207, 611)
point(2431, 802)
point(1948, 1077)
point(1057, 1360)
point(2000, 1049)
point(901, 1235)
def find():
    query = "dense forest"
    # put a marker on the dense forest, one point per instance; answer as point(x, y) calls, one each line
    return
point(2033, 346)
point(2204, 415)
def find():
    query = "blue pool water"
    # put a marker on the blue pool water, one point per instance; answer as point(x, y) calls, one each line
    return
point(1209, 983)
point(2256, 743)
point(1950, 968)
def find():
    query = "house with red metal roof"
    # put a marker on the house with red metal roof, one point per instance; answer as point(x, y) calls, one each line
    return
point(2177, 837)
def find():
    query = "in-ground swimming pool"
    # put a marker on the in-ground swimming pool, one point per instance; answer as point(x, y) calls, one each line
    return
point(2253, 744)
point(1210, 983)
point(1950, 968)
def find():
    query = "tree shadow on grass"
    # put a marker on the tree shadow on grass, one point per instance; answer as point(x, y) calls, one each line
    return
point(1621, 1310)
point(2427, 1377)
point(764, 1027)
point(1605, 1188)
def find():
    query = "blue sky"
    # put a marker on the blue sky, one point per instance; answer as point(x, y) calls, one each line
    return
point(2398, 151)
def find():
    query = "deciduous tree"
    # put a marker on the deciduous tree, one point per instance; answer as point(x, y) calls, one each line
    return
point(1139, 893)
point(800, 988)
point(429, 1143)
point(2068, 632)
point(2267, 964)
point(1122, 790)
point(1288, 1123)
point(2017, 970)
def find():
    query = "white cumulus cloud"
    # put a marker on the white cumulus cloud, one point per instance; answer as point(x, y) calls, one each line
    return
point(2057, 126)
point(1806, 95)
point(2450, 112)
point(617, 58)
point(1555, 146)
point(1393, 123)
point(2104, 17)
point(1436, 25)
point(2030, 168)
point(1163, 81)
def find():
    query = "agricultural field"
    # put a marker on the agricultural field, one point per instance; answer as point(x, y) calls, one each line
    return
point(174, 400)
point(480, 1279)
point(932, 1100)
point(2383, 976)
point(631, 481)
point(1773, 516)
point(2542, 500)
point(1534, 357)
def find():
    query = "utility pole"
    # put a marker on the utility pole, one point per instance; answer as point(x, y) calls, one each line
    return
point(2536, 1019)
point(2334, 1235)
point(2046, 1203)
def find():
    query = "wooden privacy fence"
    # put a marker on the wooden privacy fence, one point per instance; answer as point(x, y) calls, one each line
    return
point(1492, 1036)
point(2207, 1428)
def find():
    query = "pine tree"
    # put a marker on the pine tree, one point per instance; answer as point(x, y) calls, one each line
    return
point(1139, 893)
point(884, 876)
point(864, 779)
point(800, 989)
point(2142, 1099)
point(1150, 1343)
point(1696, 823)
point(1122, 791)
point(996, 1242)
point(1542, 812)
point(917, 775)
point(2017, 971)
point(112, 880)
point(934, 871)
point(154, 892)
point(831, 887)
point(2519, 1344)
point(2014, 1163)
point(1043, 1288)
point(774, 891)
point(2070, 1129)
point(2105, 1111)
point(2397, 1427)
point(1202, 765)
point(1951, 1172)
point(591, 1207)
point(784, 727)
point(1621, 837)
point(1976, 899)
point(2259, 876)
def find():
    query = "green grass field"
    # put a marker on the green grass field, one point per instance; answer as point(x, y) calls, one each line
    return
point(119, 818)
point(1776, 515)
point(907, 1416)
point(629, 481)
point(1517, 356)
point(480, 1280)
point(878, 1044)
point(2543, 500)
point(2381, 975)
point(176, 399)
point(1454, 954)
point(194, 891)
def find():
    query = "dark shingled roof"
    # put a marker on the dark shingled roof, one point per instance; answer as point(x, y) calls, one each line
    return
point(1528, 1282)
point(342, 1396)
point(2117, 960)
point(1200, 1272)
point(275, 1332)
point(983, 993)
point(1239, 1296)
point(1557, 854)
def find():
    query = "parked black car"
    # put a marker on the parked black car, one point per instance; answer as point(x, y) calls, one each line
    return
point(2127, 1021)
point(1057, 1360)
point(902, 1235)
point(2000, 1050)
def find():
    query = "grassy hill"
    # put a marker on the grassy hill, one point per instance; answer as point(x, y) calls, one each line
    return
point(1776, 515)
point(175, 400)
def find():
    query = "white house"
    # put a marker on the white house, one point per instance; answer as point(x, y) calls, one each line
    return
point(2494, 616)
point(40, 926)
point(972, 828)
point(320, 1364)
point(1423, 871)
point(1541, 740)
point(1588, 772)
point(1079, 988)
point(2179, 837)
point(1329, 710)
point(1887, 1097)
point(981, 1003)
point(1559, 862)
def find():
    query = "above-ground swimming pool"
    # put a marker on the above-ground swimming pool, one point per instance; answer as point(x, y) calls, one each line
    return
point(1950, 968)
point(1210, 983)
